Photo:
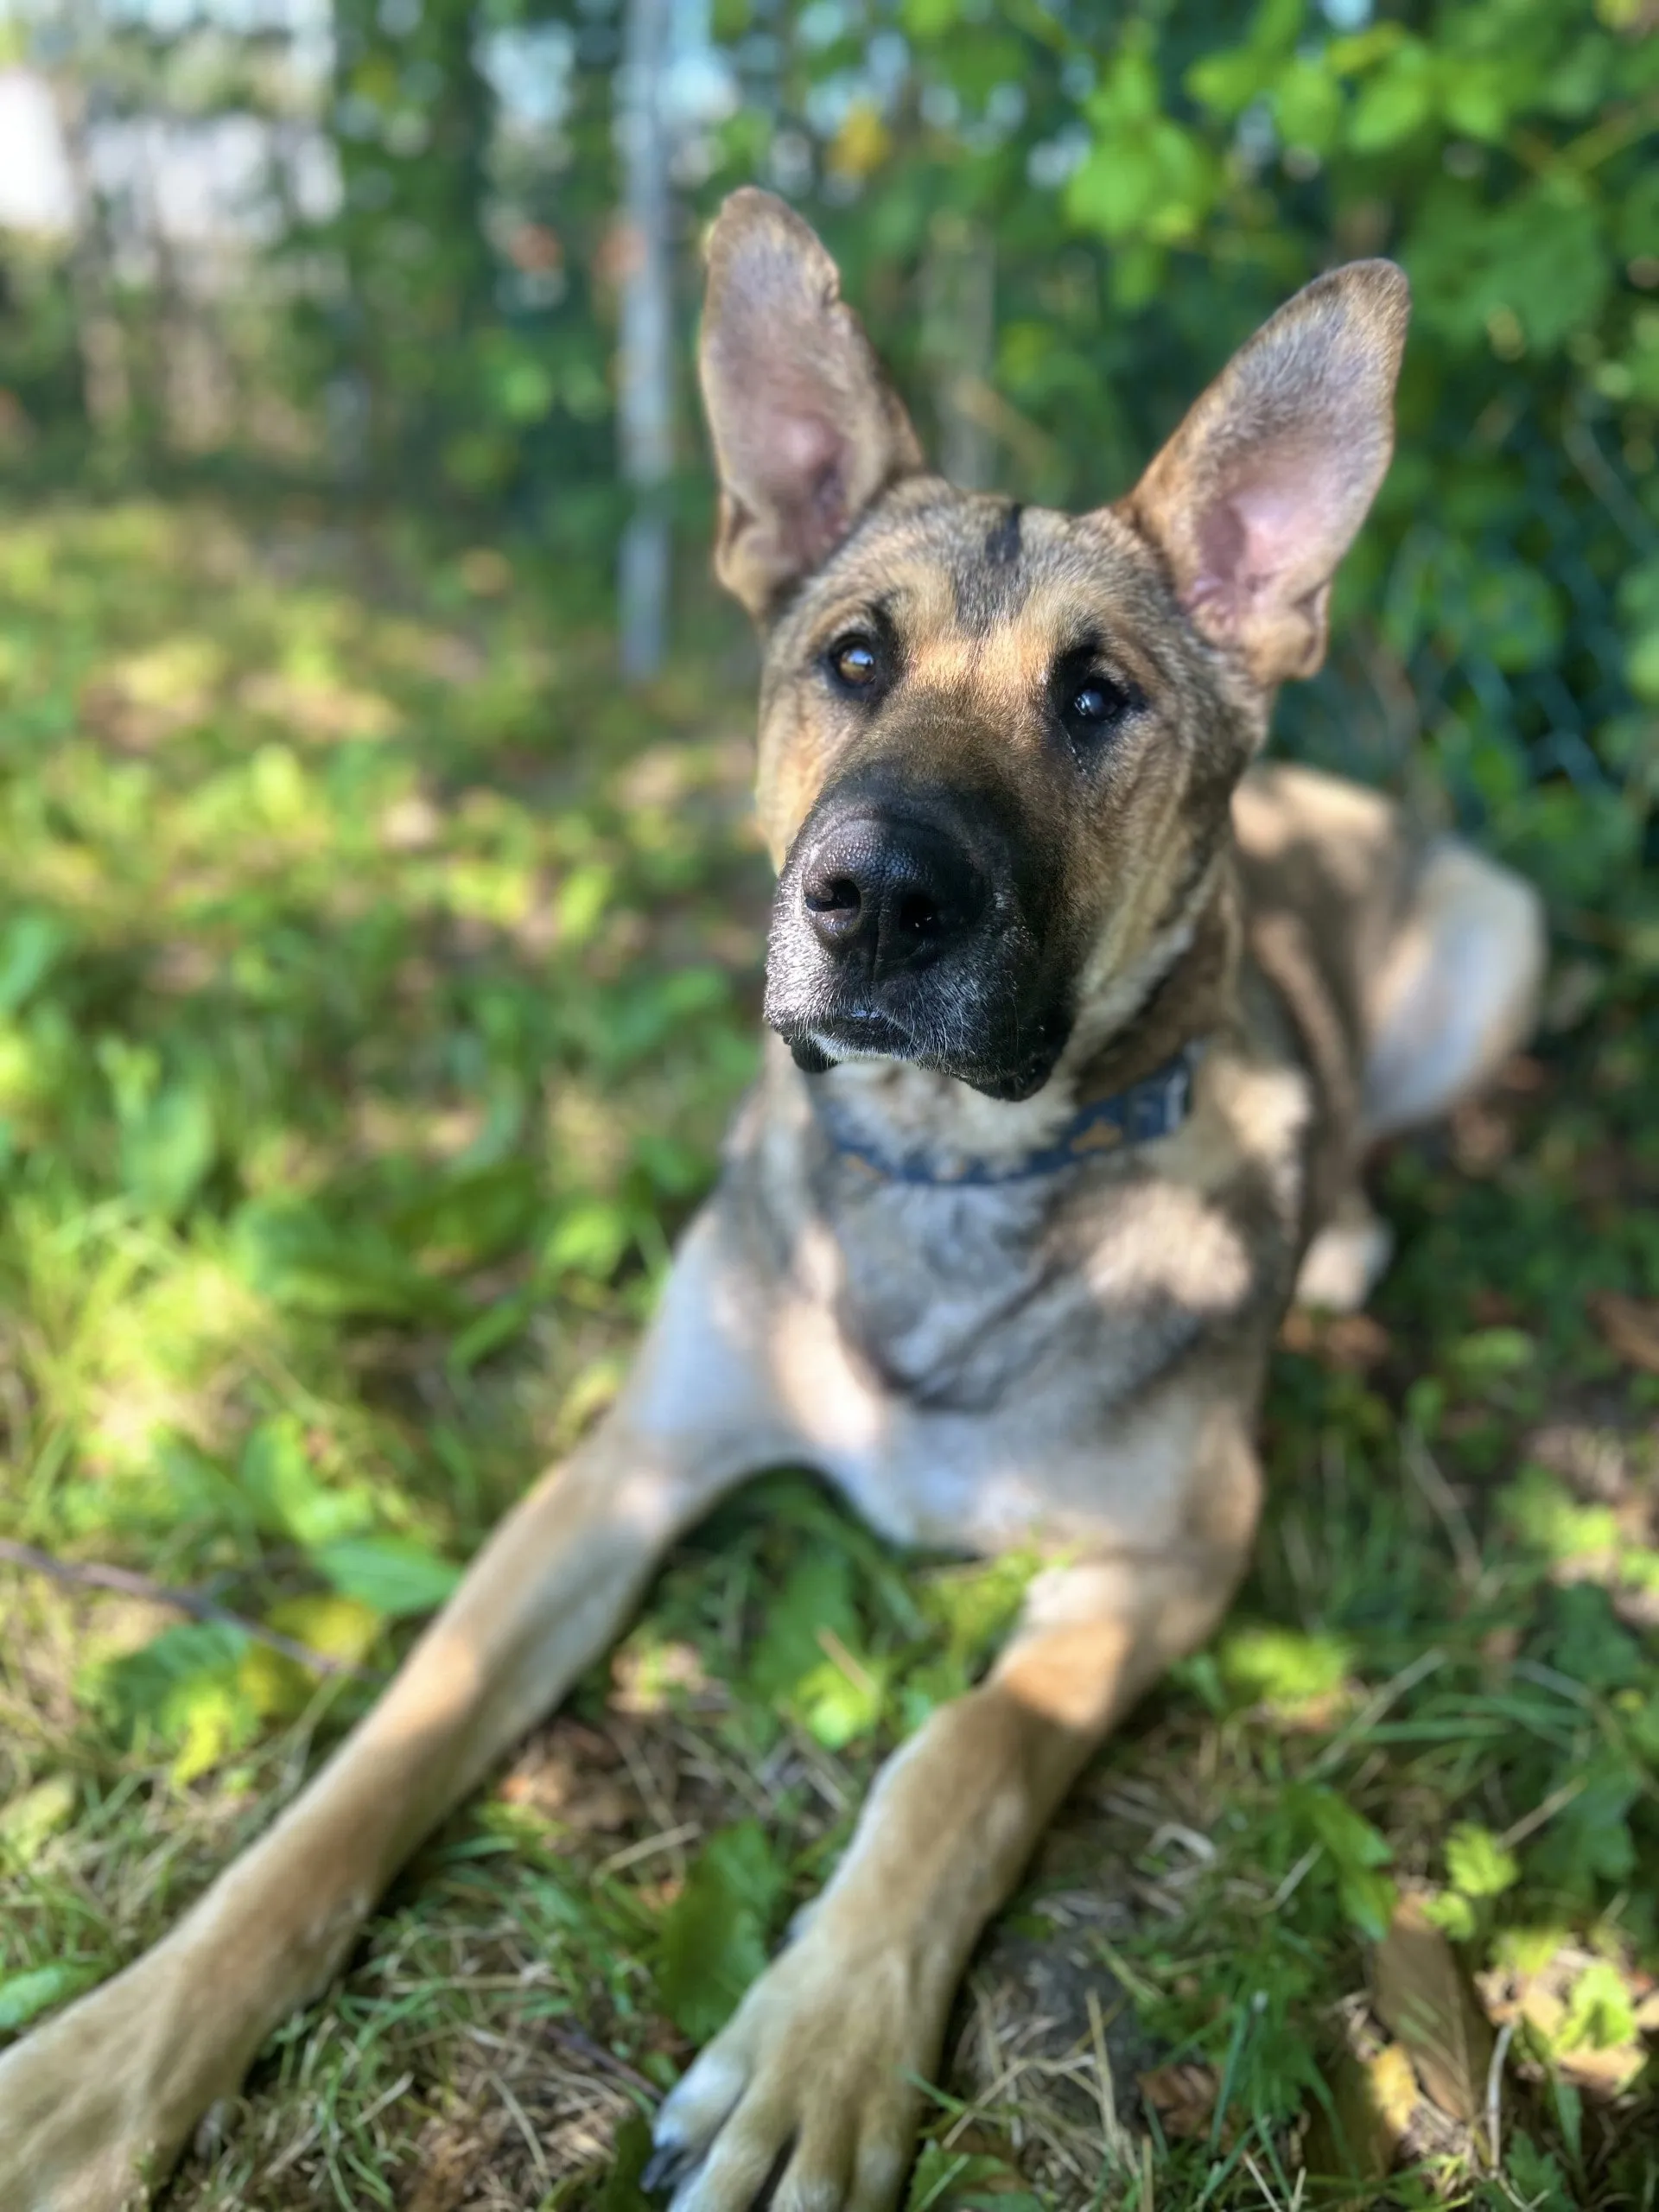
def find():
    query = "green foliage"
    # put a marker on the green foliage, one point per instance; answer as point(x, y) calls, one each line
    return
point(368, 1015)
point(24, 1995)
point(451, 1149)
point(1280, 1668)
point(803, 1660)
point(1537, 2177)
point(184, 1687)
point(1476, 1864)
point(714, 1939)
point(391, 1575)
point(1352, 1849)
point(1131, 191)
point(1141, 189)
point(31, 1819)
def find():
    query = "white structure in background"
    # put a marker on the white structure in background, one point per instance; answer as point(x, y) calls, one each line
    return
point(37, 194)
point(203, 181)
point(179, 202)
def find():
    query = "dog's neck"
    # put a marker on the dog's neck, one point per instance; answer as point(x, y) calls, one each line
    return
point(1178, 991)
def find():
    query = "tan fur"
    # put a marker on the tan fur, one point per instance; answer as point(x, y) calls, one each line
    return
point(1073, 1364)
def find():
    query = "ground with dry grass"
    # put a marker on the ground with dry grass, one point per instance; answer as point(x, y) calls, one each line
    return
point(374, 980)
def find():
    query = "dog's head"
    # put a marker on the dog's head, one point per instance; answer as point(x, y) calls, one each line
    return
point(998, 743)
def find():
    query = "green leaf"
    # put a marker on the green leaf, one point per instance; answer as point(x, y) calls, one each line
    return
point(168, 1149)
point(1587, 1642)
point(838, 1703)
point(1307, 106)
point(931, 19)
point(470, 1217)
point(1156, 181)
point(589, 1239)
point(1453, 1914)
point(495, 1326)
point(197, 1492)
point(1538, 2181)
point(713, 1937)
point(1600, 2014)
point(29, 946)
point(22, 1996)
point(1476, 98)
point(1485, 1355)
point(1515, 615)
point(631, 2152)
point(186, 1685)
point(968, 2181)
point(291, 1252)
point(148, 1684)
point(288, 1499)
point(393, 1574)
point(1368, 1900)
point(1227, 82)
point(1397, 101)
point(1283, 1667)
point(1476, 1864)
point(1642, 666)
point(1590, 1838)
point(977, 1605)
point(1354, 1852)
point(1540, 257)
point(28, 1822)
point(1638, 218)
point(1348, 1836)
point(816, 1596)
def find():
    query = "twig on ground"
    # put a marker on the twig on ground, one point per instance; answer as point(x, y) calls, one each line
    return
point(94, 1574)
point(593, 2054)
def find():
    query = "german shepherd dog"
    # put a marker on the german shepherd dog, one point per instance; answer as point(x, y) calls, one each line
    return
point(1082, 1025)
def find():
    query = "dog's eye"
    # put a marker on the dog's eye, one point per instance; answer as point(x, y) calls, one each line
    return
point(853, 662)
point(1091, 707)
point(1096, 703)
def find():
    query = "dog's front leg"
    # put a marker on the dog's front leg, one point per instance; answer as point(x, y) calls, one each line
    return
point(101, 2100)
point(814, 2085)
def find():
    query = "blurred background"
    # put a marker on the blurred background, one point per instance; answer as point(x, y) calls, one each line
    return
point(380, 938)
point(441, 257)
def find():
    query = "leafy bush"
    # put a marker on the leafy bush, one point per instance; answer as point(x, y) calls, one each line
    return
point(1058, 221)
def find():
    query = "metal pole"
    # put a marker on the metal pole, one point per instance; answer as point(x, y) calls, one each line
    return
point(646, 381)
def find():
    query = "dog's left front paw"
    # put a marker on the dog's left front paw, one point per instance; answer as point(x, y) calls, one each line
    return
point(810, 2096)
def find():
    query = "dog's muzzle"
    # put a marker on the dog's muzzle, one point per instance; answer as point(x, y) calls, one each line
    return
point(897, 934)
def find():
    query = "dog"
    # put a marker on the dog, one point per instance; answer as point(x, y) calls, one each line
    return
point(1082, 1024)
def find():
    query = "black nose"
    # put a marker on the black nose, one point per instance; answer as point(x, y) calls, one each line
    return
point(890, 893)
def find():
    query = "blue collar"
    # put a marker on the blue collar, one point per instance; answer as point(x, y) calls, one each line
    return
point(1155, 1107)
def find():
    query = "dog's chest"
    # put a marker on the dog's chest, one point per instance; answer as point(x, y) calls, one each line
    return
point(970, 1303)
point(966, 1363)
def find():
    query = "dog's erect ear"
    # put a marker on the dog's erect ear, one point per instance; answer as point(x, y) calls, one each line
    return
point(1259, 493)
point(805, 427)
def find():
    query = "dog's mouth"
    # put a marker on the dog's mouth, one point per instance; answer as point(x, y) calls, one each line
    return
point(971, 1027)
point(864, 1034)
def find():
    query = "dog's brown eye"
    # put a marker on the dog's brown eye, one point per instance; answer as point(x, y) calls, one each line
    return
point(1091, 706)
point(1094, 703)
point(853, 660)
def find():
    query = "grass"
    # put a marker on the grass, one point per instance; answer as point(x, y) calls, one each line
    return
point(374, 981)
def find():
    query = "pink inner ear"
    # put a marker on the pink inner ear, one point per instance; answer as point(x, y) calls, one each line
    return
point(803, 465)
point(1263, 538)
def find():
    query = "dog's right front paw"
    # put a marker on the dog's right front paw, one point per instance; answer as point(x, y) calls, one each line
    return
point(808, 2100)
point(97, 2105)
